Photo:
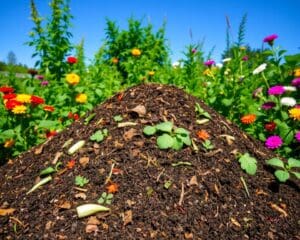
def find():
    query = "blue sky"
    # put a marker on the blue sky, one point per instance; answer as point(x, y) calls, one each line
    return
point(206, 20)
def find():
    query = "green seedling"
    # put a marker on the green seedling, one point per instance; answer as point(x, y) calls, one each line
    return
point(50, 170)
point(248, 163)
point(167, 184)
point(169, 136)
point(286, 169)
point(99, 135)
point(201, 112)
point(81, 181)
point(207, 144)
point(106, 198)
point(118, 118)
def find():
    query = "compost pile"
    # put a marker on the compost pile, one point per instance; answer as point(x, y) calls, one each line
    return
point(197, 192)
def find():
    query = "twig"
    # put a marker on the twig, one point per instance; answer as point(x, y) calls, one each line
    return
point(110, 173)
point(159, 175)
point(181, 195)
point(245, 186)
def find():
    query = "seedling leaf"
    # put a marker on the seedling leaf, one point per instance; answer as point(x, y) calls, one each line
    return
point(47, 171)
point(165, 141)
point(149, 130)
point(281, 175)
point(167, 184)
point(276, 162)
point(297, 175)
point(182, 131)
point(81, 181)
point(248, 164)
point(165, 127)
point(178, 143)
point(118, 118)
point(292, 162)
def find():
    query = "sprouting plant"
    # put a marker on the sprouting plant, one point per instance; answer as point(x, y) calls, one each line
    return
point(50, 170)
point(286, 169)
point(118, 118)
point(99, 135)
point(207, 144)
point(201, 112)
point(248, 163)
point(106, 198)
point(81, 181)
point(169, 136)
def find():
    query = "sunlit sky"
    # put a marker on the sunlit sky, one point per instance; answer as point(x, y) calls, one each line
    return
point(204, 19)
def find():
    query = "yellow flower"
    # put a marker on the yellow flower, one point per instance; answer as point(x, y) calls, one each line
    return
point(242, 48)
point(295, 113)
point(20, 109)
point(136, 52)
point(23, 98)
point(208, 72)
point(151, 73)
point(81, 98)
point(9, 143)
point(72, 78)
point(297, 72)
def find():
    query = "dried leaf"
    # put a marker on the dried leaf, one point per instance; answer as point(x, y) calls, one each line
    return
point(48, 225)
point(140, 110)
point(65, 205)
point(193, 181)
point(6, 211)
point(235, 222)
point(84, 161)
point(127, 217)
point(117, 144)
point(91, 228)
point(128, 135)
point(80, 195)
point(93, 221)
point(130, 203)
point(188, 235)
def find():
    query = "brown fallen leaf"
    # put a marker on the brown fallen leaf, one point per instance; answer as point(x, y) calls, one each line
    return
point(90, 228)
point(49, 225)
point(127, 217)
point(39, 150)
point(80, 195)
point(188, 235)
point(84, 161)
point(140, 110)
point(193, 181)
point(93, 221)
point(65, 205)
point(6, 211)
point(128, 135)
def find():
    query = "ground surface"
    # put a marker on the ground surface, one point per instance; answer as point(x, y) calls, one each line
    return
point(161, 194)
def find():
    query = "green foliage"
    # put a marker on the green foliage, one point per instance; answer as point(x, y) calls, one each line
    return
point(248, 163)
point(99, 135)
point(81, 181)
point(285, 169)
point(106, 198)
point(207, 144)
point(242, 30)
point(118, 118)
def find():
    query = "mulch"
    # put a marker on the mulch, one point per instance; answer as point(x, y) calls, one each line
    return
point(192, 193)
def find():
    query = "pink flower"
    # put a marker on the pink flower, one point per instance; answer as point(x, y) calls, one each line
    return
point(273, 142)
point(270, 39)
point(268, 105)
point(296, 82)
point(194, 50)
point(276, 90)
point(44, 83)
point(209, 63)
point(297, 136)
point(245, 58)
point(40, 77)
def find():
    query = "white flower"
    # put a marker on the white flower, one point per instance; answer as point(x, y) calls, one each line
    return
point(226, 60)
point(288, 101)
point(219, 65)
point(176, 64)
point(260, 68)
point(290, 88)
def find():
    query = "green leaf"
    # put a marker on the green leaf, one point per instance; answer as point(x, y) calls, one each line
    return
point(167, 184)
point(165, 141)
point(7, 134)
point(178, 144)
point(149, 130)
point(227, 102)
point(182, 131)
point(276, 162)
point(81, 181)
point(297, 175)
point(248, 164)
point(47, 124)
point(97, 136)
point(165, 127)
point(118, 118)
point(48, 170)
point(292, 162)
point(281, 175)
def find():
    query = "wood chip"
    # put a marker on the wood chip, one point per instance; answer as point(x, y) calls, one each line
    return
point(212, 153)
point(140, 110)
point(279, 209)
point(84, 161)
point(235, 222)
point(80, 189)
point(49, 225)
point(93, 221)
point(65, 205)
point(91, 228)
point(6, 211)
point(57, 156)
point(128, 135)
point(261, 192)
point(188, 235)
point(127, 217)
point(126, 124)
point(193, 181)
point(39, 149)
point(80, 195)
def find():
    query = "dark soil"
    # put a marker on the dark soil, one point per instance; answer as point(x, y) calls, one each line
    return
point(206, 198)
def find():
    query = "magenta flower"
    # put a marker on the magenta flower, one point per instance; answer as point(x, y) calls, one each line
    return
point(296, 82)
point(270, 39)
point(268, 105)
point(44, 83)
point(245, 58)
point(276, 90)
point(297, 136)
point(194, 50)
point(40, 77)
point(209, 63)
point(273, 142)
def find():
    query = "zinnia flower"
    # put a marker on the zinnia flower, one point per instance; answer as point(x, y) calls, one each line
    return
point(48, 108)
point(270, 39)
point(23, 98)
point(295, 113)
point(6, 90)
point(72, 60)
point(81, 98)
point(50, 134)
point(72, 78)
point(115, 60)
point(9, 143)
point(151, 73)
point(194, 50)
point(268, 105)
point(273, 142)
point(44, 83)
point(9, 96)
point(289, 89)
point(19, 109)
point(270, 126)
point(245, 58)
point(288, 101)
point(297, 72)
point(203, 134)
point(136, 52)
point(11, 103)
point(40, 77)
point(296, 82)
point(276, 90)
point(248, 119)
point(259, 69)
point(32, 72)
point(297, 136)
point(37, 100)
point(209, 63)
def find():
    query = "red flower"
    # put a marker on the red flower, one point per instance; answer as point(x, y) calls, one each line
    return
point(270, 126)
point(7, 89)
point(48, 108)
point(11, 103)
point(72, 60)
point(32, 72)
point(75, 116)
point(37, 100)
point(50, 134)
point(9, 96)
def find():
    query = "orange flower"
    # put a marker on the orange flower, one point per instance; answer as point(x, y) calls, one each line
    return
point(120, 97)
point(115, 60)
point(71, 164)
point(203, 134)
point(297, 72)
point(9, 143)
point(248, 119)
point(48, 108)
point(112, 188)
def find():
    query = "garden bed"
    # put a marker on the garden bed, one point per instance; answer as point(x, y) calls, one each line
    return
point(198, 192)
